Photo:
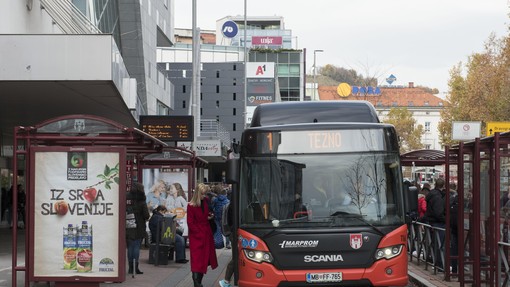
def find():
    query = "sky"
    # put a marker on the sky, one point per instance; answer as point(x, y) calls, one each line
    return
point(416, 41)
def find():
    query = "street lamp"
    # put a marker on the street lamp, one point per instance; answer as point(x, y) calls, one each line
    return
point(315, 73)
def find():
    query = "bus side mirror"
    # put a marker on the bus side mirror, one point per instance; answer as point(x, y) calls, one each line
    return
point(232, 175)
point(410, 201)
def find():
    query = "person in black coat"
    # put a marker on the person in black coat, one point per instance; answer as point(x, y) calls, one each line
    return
point(135, 201)
point(435, 214)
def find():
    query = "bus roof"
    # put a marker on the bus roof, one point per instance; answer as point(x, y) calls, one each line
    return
point(314, 112)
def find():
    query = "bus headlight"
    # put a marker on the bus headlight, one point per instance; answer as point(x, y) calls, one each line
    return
point(388, 252)
point(258, 256)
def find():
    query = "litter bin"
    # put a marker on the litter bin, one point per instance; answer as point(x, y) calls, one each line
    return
point(163, 249)
point(158, 254)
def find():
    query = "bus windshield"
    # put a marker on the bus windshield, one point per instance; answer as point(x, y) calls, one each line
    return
point(321, 189)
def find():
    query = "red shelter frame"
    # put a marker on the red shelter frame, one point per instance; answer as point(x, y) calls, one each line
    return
point(85, 132)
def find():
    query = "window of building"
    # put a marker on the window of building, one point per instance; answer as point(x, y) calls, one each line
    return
point(183, 89)
point(234, 127)
point(426, 103)
point(234, 95)
point(410, 103)
point(428, 146)
point(394, 104)
point(294, 70)
point(234, 82)
point(427, 126)
point(217, 89)
point(283, 70)
point(183, 104)
point(217, 104)
point(201, 115)
point(234, 111)
point(235, 67)
point(162, 109)
point(217, 74)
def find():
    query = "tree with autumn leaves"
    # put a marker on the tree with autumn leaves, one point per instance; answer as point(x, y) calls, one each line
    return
point(408, 131)
point(478, 90)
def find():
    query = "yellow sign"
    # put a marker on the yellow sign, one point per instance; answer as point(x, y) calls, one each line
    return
point(344, 90)
point(497, 127)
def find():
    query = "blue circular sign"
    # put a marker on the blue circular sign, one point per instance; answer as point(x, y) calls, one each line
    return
point(229, 29)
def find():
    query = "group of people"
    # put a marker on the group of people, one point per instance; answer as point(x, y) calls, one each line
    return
point(432, 210)
point(199, 212)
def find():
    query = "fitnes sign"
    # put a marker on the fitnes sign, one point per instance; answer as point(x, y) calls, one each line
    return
point(260, 81)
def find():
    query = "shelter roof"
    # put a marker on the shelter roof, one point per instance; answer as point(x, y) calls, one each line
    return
point(88, 130)
point(423, 157)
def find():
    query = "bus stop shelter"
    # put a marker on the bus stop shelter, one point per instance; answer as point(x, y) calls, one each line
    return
point(77, 169)
point(481, 170)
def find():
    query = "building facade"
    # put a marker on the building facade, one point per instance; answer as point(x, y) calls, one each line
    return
point(81, 57)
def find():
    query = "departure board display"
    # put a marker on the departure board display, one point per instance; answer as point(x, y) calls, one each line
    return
point(168, 128)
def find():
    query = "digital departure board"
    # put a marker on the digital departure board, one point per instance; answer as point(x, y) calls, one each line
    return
point(168, 128)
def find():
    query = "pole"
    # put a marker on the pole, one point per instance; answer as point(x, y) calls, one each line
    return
point(314, 75)
point(195, 90)
point(245, 68)
point(315, 86)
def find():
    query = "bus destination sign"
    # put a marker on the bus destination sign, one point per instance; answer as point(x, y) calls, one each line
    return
point(168, 128)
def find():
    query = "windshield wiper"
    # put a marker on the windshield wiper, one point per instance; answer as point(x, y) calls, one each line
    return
point(344, 214)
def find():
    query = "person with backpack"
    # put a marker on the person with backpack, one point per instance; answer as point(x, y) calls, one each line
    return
point(217, 205)
point(137, 214)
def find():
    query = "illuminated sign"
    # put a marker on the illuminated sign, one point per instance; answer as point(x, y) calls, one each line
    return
point(317, 141)
point(168, 128)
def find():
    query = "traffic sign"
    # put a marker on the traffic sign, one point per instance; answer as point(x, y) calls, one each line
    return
point(229, 29)
point(497, 127)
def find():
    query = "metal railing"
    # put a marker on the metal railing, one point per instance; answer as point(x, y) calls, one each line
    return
point(426, 246)
point(68, 17)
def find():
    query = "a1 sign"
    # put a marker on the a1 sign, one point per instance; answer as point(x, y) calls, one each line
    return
point(229, 29)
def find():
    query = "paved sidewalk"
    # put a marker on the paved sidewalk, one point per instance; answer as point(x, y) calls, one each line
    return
point(418, 276)
point(175, 274)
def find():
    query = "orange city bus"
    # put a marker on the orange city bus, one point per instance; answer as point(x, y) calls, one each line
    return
point(318, 198)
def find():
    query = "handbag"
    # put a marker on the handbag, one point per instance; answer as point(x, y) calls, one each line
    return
point(211, 221)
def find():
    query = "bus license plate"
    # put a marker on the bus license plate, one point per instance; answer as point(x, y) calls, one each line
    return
point(323, 277)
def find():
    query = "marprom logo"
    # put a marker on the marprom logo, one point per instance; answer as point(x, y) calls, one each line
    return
point(298, 243)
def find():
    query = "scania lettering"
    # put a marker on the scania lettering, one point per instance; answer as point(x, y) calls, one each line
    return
point(323, 258)
point(318, 197)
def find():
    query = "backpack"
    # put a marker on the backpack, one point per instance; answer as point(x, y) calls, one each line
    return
point(130, 217)
point(226, 220)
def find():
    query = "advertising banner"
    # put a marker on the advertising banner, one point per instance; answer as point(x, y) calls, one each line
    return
point(267, 40)
point(76, 209)
point(164, 181)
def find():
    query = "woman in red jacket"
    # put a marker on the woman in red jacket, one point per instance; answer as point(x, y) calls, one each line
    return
point(201, 242)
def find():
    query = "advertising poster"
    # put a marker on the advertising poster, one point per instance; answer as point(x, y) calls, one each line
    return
point(76, 213)
point(152, 180)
